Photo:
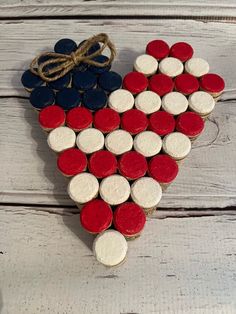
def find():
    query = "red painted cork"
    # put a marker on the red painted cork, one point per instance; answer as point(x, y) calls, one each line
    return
point(182, 51)
point(96, 216)
point(134, 121)
point(129, 219)
point(163, 168)
point(161, 84)
point(132, 165)
point(102, 164)
point(71, 162)
point(162, 123)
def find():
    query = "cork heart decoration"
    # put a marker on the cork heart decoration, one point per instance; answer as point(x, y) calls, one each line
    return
point(120, 141)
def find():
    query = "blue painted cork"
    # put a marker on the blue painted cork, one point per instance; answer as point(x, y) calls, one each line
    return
point(99, 70)
point(65, 46)
point(42, 97)
point(81, 67)
point(68, 98)
point(30, 80)
point(94, 99)
point(110, 81)
point(84, 80)
point(95, 47)
point(44, 58)
point(61, 82)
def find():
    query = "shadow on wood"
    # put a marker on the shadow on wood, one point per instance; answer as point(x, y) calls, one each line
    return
point(59, 182)
point(48, 157)
point(1, 302)
point(73, 223)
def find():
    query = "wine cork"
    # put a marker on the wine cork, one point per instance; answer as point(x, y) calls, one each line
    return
point(79, 118)
point(94, 99)
point(61, 138)
point(202, 103)
point(51, 117)
point(176, 145)
point(190, 124)
point(146, 64)
point(68, 98)
point(171, 67)
point(30, 80)
point(197, 67)
point(110, 248)
point(182, 51)
point(114, 189)
point(148, 143)
point(110, 81)
point(157, 48)
point(42, 97)
point(90, 140)
point(129, 219)
point(83, 187)
point(186, 84)
point(147, 193)
point(62, 82)
point(96, 216)
point(71, 161)
point(118, 142)
point(174, 103)
point(134, 121)
point(132, 165)
point(102, 164)
point(135, 82)
point(161, 84)
point(212, 84)
point(121, 100)
point(106, 120)
point(148, 102)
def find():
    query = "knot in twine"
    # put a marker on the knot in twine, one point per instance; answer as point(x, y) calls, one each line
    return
point(61, 64)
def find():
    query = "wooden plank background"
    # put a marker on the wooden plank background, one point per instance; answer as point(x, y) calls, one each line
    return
point(49, 268)
point(212, 186)
point(29, 173)
point(179, 8)
point(185, 260)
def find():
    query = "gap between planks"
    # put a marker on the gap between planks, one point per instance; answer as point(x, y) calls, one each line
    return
point(117, 9)
point(176, 266)
point(23, 209)
point(204, 19)
point(213, 187)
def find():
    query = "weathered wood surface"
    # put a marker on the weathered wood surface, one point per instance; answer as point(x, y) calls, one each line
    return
point(176, 266)
point(22, 40)
point(180, 8)
point(29, 175)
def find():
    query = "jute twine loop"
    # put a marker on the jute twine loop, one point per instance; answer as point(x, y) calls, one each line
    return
point(61, 64)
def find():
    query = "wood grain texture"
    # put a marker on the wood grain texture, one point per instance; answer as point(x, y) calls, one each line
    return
point(180, 8)
point(29, 175)
point(176, 266)
point(22, 40)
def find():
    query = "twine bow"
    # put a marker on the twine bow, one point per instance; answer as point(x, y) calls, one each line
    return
point(61, 64)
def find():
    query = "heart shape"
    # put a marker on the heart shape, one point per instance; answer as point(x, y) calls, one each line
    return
point(120, 158)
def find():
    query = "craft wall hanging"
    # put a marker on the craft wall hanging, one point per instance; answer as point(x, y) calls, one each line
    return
point(120, 142)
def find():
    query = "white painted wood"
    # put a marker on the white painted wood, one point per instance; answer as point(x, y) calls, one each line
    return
point(29, 174)
point(22, 40)
point(201, 8)
point(176, 266)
